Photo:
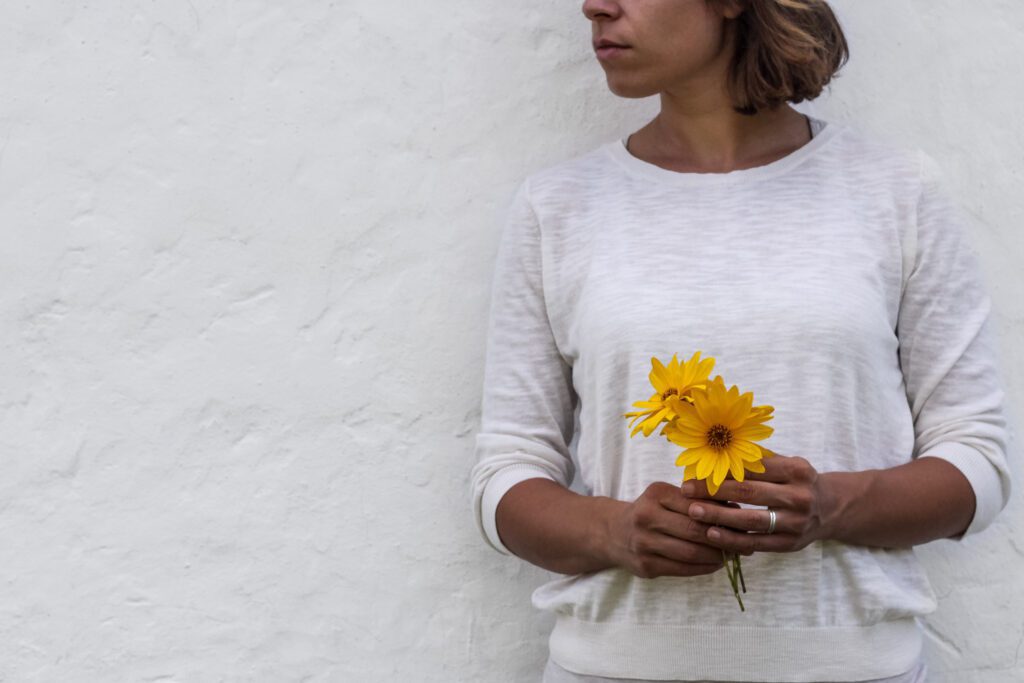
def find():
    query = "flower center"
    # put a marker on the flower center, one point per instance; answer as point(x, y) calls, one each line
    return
point(719, 436)
point(671, 391)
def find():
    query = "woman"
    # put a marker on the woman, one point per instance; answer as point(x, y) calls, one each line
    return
point(825, 271)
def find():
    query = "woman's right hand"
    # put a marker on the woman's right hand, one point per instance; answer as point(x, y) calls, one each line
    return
point(653, 536)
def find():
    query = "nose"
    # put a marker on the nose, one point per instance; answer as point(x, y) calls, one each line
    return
point(599, 8)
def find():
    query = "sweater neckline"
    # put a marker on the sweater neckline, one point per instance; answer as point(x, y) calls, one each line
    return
point(827, 131)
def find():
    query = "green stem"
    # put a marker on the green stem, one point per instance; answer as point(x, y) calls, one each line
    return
point(732, 569)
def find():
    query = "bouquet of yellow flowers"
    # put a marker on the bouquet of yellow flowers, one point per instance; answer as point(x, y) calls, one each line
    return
point(716, 427)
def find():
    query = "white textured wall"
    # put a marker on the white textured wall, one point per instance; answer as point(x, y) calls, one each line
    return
point(245, 273)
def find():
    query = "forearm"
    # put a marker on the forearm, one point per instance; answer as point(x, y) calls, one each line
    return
point(552, 527)
point(921, 501)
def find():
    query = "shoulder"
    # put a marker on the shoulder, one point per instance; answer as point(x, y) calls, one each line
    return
point(910, 167)
point(882, 155)
point(565, 185)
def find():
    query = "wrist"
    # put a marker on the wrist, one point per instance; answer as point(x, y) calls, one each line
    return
point(841, 491)
point(608, 523)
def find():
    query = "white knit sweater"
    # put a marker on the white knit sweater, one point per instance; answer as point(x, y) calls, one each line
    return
point(838, 284)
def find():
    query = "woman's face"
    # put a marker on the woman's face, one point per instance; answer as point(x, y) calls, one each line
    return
point(670, 43)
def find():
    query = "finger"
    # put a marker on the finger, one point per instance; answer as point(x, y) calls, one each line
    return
point(698, 488)
point(743, 542)
point(777, 468)
point(673, 522)
point(676, 502)
point(744, 519)
point(685, 551)
point(656, 565)
point(751, 492)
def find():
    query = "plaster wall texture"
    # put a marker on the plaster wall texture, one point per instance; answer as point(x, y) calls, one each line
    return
point(245, 278)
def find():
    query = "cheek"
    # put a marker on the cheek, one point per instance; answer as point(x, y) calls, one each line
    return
point(673, 39)
point(682, 48)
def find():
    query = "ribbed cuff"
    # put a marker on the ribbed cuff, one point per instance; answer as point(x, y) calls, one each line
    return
point(983, 477)
point(498, 486)
point(706, 651)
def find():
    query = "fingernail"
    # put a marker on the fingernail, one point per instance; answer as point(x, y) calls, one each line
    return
point(713, 534)
point(696, 511)
point(687, 489)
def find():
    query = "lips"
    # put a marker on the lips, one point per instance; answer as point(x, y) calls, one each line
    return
point(605, 42)
point(607, 50)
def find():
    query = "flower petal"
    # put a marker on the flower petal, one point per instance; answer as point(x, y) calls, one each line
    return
point(745, 449)
point(691, 456)
point(691, 418)
point(659, 376)
point(753, 431)
point(705, 409)
point(705, 466)
point(712, 487)
point(721, 467)
point(755, 466)
point(736, 467)
point(702, 369)
point(685, 439)
point(734, 415)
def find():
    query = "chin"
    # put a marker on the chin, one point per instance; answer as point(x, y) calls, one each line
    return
point(625, 88)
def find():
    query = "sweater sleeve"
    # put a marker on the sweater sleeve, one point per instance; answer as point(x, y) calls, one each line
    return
point(948, 352)
point(528, 404)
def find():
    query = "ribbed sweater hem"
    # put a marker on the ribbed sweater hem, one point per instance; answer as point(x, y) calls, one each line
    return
point(736, 653)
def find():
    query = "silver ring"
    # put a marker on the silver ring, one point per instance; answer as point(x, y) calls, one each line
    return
point(771, 521)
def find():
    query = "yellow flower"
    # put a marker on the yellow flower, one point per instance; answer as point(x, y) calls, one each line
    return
point(718, 432)
point(672, 387)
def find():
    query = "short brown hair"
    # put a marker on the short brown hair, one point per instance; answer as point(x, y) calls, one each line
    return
point(786, 51)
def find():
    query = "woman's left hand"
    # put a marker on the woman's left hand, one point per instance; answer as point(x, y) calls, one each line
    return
point(790, 485)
